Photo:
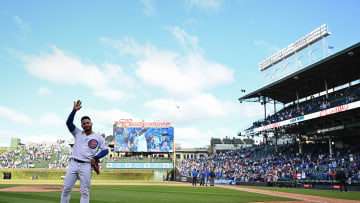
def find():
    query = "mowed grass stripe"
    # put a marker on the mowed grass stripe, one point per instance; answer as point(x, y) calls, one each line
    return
point(20, 181)
point(177, 194)
point(316, 192)
point(31, 197)
point(132, 193)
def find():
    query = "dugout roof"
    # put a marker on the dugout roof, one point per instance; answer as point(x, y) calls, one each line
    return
point(337, 69)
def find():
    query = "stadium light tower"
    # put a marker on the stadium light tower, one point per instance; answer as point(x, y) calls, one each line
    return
point(282, 57)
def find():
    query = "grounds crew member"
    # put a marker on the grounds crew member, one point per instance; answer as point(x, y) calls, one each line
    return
point(341, 176)
point(194, 175)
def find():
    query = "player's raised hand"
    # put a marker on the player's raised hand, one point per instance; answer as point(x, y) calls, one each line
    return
point(77, 105)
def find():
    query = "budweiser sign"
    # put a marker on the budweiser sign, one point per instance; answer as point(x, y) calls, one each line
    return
point(130, 123)
point(337, 109)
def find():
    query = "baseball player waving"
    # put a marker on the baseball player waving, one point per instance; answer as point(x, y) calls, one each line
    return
point(83, 157)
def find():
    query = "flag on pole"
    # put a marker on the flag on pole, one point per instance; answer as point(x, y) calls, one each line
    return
point(330, 47)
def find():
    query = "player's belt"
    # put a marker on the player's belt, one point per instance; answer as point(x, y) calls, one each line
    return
point(79, 161)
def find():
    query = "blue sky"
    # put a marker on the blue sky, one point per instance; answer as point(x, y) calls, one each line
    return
point(141, 59)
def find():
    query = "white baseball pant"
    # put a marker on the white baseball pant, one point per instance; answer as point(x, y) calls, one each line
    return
point(81, 171)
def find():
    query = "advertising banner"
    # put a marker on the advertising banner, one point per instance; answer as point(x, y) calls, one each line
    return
point(140, 165)
point(225, 182)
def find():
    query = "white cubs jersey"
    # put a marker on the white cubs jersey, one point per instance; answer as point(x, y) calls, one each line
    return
point(86, 146)
point(141, 143)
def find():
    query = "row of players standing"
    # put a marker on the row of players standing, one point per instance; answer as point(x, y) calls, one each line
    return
point(205, 177)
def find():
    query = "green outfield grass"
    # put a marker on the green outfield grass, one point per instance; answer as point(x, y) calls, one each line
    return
point(20, 181)
point(316, 192)
point(158, 194)
point(44, 174)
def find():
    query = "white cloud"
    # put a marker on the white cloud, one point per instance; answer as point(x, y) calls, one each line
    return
point(5, 137)
point(182, 75)
point(198, 107)
point(103, 121)
point(25, 137)
point(185, 39)
point(51, 119)
point(14, 116)
point(162, 109)
point(107, 117)
point(204, 4)
point(192, 137)
point(40, 139)
point(198, 137)
point(148, 7)
point(44, 91)
point(252, 110)
point(129, 46)
point(61, 68)
point(112, 94)
point(117, 75)
point(189, 137)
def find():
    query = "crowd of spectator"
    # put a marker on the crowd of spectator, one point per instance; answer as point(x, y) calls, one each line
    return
point(314, 104)
point(57, 156)
point(52, 156)
point(243, 166)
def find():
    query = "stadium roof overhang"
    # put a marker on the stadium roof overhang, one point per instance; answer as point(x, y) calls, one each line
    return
point(336, 70)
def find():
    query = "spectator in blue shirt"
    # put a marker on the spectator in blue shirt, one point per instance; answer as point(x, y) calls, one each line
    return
point(325, 176)
point(194, 175)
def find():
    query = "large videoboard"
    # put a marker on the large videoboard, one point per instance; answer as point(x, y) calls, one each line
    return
point(143, 139)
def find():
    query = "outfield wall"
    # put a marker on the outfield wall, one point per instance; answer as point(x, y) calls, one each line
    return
point(43, 174)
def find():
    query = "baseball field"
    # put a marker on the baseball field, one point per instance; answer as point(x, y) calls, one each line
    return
point(152, 191)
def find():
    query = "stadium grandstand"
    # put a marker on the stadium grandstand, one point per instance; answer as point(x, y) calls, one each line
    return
point(32, 155)
point(306, 142)
point(321, 101)
point(321, 111)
